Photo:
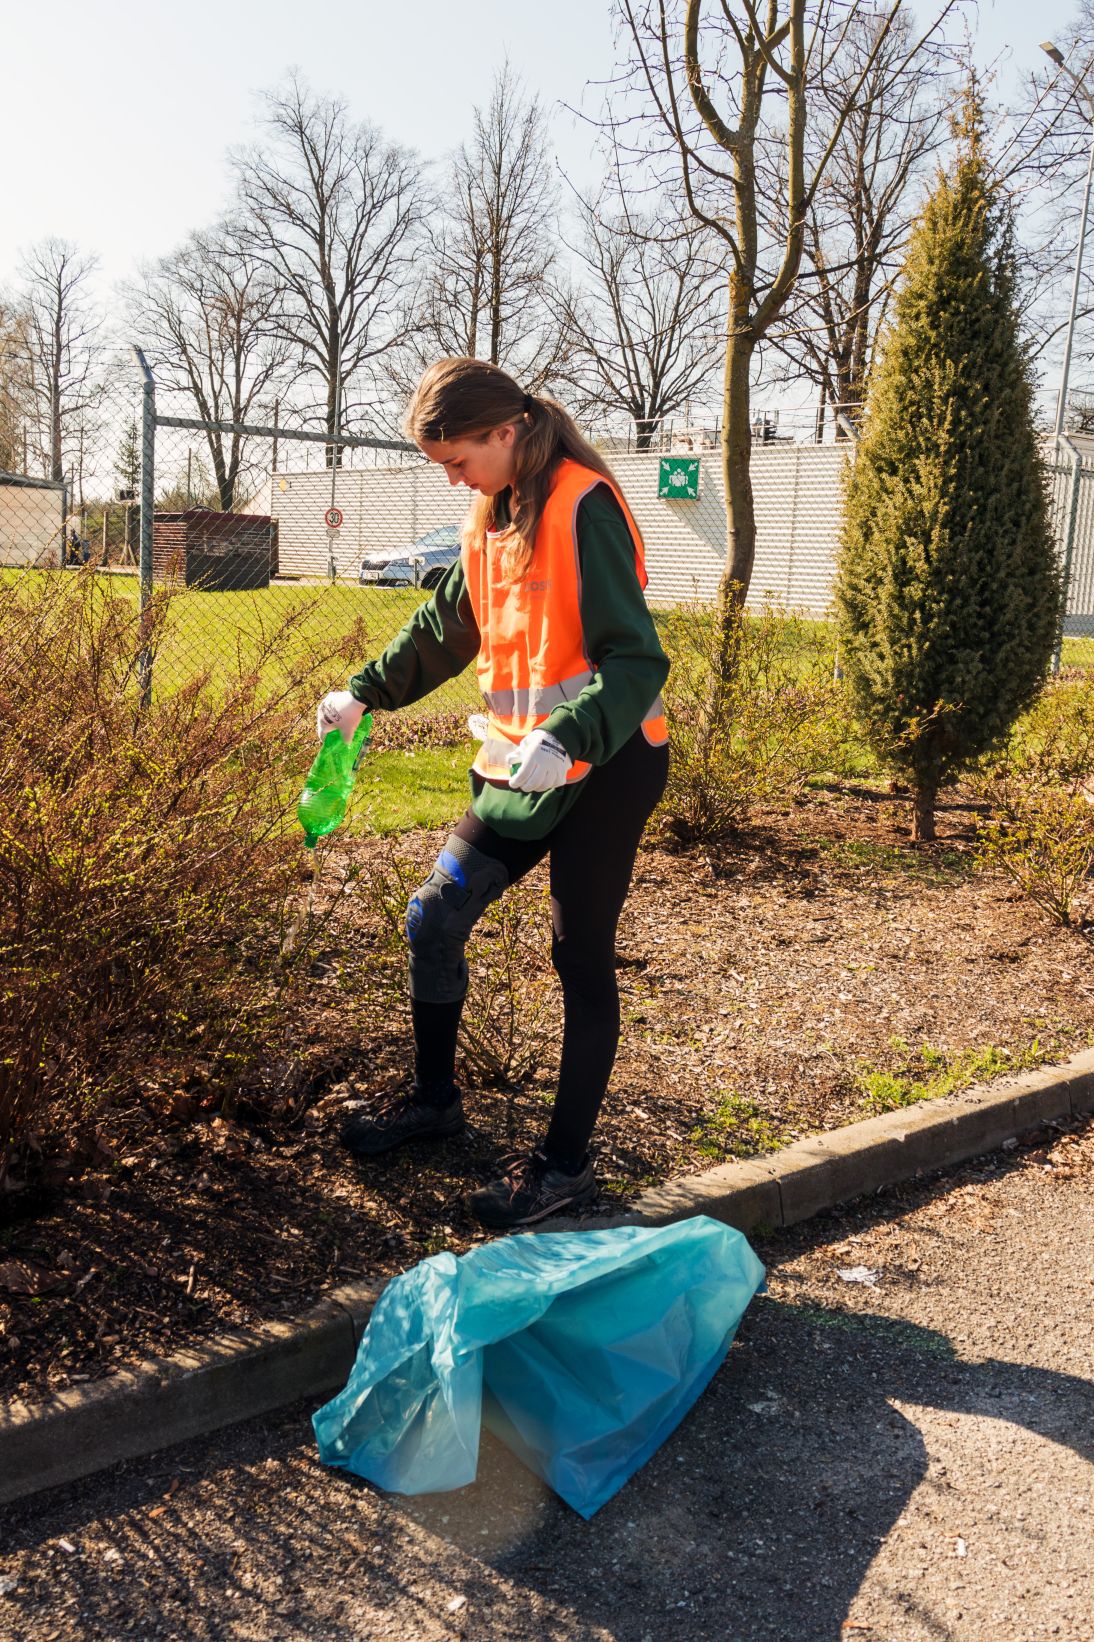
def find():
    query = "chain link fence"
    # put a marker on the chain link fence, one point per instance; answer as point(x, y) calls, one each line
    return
point(259, 527)
point(250, 527)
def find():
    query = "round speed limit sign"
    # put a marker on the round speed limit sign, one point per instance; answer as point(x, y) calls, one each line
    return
point(333, 517)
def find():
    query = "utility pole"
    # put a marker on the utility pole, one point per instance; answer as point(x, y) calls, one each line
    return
point(1086, 103)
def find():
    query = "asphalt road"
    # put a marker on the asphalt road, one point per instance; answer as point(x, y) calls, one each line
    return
point(906, 1453)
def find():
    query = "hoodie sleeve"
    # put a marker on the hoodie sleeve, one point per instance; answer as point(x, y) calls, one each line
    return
point(620, 638)
point(438, 641)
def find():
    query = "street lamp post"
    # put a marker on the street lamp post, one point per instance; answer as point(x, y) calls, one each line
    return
point(1084, 98)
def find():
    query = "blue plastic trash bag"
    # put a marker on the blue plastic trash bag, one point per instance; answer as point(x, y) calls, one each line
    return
point(580, 1350)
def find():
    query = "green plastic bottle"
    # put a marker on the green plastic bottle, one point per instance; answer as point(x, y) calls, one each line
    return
point(330, 782)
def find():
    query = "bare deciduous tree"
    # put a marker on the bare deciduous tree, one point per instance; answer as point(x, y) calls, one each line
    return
point(14, 380)
point(207, 316)
point(642, 326)
point(493, 253)
point(1043, 163)
point(331, 210)
point(62, 331)
point(723, 84)
point(860, 216)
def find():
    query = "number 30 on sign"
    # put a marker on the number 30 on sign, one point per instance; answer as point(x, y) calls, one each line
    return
point(334, 517)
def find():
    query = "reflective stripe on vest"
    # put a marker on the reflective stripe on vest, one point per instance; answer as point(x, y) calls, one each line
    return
point(532, 656)
point(655, 725)
point(538, 700)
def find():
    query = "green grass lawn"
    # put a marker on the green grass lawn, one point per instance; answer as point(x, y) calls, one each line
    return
point(1078, 653)
point(397, 791)
point(222, 633)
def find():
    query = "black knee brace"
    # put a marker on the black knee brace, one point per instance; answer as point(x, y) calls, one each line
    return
point(442, 914)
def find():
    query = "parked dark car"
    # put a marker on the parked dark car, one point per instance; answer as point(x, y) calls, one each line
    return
point(423, 564)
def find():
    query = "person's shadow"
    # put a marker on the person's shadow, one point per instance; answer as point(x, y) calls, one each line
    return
point(759, 1518)
point(755, 1522)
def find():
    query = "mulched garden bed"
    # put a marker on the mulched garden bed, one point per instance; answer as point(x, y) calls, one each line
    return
point(766, 990)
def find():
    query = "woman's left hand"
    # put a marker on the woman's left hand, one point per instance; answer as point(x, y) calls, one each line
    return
point(544, 763)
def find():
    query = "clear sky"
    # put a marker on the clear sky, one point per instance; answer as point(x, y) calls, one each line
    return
point(118, 114)
point(115, 116)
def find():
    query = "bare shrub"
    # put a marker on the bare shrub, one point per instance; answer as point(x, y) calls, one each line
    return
point(1040, 794)
point(147, 866)
point(512, 1021)
point(1043, 839)
point(754, 713)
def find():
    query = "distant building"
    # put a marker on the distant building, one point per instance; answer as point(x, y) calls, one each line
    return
point(32, 520)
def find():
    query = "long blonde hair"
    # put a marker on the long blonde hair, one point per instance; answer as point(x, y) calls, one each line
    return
point(467, 399)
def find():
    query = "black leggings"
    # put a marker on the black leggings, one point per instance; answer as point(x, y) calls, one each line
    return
point(592, 852)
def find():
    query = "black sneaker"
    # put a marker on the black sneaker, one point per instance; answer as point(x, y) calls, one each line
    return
point(396, 1119)
point(529, 1189)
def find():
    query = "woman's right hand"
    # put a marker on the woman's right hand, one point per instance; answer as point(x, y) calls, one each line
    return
point(339, 710)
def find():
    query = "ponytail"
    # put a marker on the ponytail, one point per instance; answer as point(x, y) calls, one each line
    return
point(469, 398)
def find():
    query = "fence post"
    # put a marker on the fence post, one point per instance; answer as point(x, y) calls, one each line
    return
point(148, 503)
point(842, 420)
point(1069, 542)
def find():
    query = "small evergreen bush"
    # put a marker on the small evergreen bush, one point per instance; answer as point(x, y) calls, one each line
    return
point(948, 586)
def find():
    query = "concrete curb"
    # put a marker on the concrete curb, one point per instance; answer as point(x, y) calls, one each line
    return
point(169, 1400)
point(813, 1175)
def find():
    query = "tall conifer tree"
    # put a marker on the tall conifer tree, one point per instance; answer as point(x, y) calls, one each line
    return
point(948, 591)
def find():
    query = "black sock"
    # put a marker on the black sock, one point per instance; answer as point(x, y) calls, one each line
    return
point(564, 1165)
point(436, 1026)
point(435, 1094)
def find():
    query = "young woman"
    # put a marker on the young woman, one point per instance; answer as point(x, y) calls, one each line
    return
point(547, 600)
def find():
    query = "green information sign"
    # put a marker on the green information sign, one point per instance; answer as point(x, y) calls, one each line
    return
point(679, 478)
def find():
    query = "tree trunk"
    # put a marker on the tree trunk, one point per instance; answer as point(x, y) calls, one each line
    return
point(220, 472)
point(474, 299)
point(334, 391)
point(844, 389)
point(924, 797)
point(495, 305)
point(56, 461)
point(821, 408)
point(333, 452)
point(737, 452)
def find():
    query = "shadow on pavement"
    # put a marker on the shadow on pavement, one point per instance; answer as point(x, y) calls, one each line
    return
point(757, 1520)
point(761, 1516)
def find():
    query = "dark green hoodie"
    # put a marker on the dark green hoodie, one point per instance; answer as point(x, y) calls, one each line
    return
point(442, 638)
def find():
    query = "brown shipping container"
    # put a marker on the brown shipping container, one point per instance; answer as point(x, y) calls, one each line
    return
point(218, 552)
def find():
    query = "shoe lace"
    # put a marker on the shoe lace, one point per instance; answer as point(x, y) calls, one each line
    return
point(395, 1100)
point(520, 1171)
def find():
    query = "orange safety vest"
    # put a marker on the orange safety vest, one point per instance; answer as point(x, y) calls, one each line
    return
point(533, 654)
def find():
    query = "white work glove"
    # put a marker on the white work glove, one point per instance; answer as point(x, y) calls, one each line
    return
point(339, 710)
point(544, 763)
point(479, 725)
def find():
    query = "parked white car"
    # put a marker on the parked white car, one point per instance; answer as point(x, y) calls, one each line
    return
point(426, 562)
